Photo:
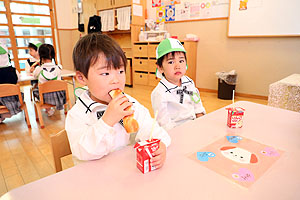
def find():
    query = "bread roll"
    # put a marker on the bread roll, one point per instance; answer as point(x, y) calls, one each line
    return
point(130, 124)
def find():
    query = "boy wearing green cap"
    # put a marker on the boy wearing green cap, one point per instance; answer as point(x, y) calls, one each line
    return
point(32, 62)
point(175, 98)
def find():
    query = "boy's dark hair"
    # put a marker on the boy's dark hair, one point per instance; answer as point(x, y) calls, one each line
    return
point(46, 51)
point(32, 46)
point(87, 49)
point(160, 60)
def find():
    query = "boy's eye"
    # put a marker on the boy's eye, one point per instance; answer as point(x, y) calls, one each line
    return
point(181, 61)
point(170, 62)
point(121, 71)
point(104, 74)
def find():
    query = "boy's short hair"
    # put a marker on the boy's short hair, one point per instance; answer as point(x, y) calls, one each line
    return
point(160, 60)
point(88, 48)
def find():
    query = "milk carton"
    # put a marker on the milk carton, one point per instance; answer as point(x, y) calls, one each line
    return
point(144, 152)
point(235, 117)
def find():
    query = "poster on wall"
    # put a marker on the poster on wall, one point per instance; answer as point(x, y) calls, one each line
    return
point(156, 3)
point(182, 11)
point(191, 10)
point(160, 14)
point(170, 13)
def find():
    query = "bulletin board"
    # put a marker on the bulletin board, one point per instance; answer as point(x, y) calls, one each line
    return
point(186, 10)
point(266, 18)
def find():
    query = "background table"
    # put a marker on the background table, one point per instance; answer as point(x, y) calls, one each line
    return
point(116, 176)
point(24, 76)
point(286, 93)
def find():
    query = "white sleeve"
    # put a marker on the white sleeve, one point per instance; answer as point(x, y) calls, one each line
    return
point(145, 121)
point(198, 106)
point(89, 141)
point(27, 67)
point(159, 104)
point(37, 71)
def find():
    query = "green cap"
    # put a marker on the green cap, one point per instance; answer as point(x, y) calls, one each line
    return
point(4, 58)
point(2, 50)
point(36, 43)
point(168, 45)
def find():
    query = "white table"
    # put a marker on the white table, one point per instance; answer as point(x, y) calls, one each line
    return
point(117, 177)
point(24, 76)
point(285, 93)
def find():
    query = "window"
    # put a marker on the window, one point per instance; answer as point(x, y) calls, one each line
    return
point(24, 21)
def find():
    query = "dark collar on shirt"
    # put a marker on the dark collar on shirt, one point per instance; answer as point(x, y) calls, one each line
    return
point(170, 86)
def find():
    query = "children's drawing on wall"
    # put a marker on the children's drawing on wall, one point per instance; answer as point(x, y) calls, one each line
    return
point(170, 13)
point(195, 10)
point(239, 159)
point(161, 14)
point(206, 9)
point(156, 3)
point(169, 2)
point(243, 4)
point(182, 11)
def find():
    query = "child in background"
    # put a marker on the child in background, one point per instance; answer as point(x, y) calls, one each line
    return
point(34, 61)
point(93, 124)
point(176, 98)
point(8, 75)
point(46, 72)
point(33, 51)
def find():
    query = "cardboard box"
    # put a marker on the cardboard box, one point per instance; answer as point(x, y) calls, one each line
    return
point(235, 117)
point(144, 152)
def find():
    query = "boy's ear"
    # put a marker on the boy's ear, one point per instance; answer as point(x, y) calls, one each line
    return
point(160, 69)
point(80, 78)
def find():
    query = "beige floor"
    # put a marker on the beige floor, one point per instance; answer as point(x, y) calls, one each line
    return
point(25, 154)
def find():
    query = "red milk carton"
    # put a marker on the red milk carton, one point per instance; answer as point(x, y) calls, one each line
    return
point(144, 152)
point(235, 117)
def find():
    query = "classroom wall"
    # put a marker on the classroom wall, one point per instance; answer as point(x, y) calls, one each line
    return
point(67, 26)
point(258, 61)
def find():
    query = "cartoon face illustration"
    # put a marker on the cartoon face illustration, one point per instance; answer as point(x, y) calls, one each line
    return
point(239, 155)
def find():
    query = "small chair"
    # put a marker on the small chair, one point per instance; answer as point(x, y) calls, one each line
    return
point(50, 86)
point(12, 90)
point(60, 148)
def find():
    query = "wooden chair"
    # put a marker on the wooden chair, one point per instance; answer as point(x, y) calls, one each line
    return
point(12, 90)
point(50, 86)
point(60, 148)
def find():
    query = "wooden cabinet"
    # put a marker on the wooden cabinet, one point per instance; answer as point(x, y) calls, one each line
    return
point(144, 62)
point(109, 4)
point(125, 38)
point(129, 72)
point(104, 4)
point(121, 3)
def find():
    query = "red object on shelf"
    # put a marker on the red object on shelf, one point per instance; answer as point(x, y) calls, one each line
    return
point(175, 37)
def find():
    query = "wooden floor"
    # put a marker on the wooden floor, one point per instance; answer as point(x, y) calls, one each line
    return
point(25, 154)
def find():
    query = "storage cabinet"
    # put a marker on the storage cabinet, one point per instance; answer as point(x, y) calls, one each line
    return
point(125, 38)
point(129, 72)
point(144, 62)
point(109, 4)
point(104, 4)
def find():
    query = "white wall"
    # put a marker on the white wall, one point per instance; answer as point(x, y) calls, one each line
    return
point(66, 12)
point(258, 61)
